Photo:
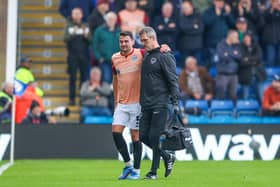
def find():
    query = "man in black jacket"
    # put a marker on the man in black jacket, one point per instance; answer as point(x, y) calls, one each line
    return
point(77, 38)
point(159, 82)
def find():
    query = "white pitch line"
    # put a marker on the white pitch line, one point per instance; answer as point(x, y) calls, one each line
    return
point(5, 167)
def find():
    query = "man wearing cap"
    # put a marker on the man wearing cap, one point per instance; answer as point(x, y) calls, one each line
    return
point(25, 75)
point(271, 98)
point(242, 27)
point(36, 116)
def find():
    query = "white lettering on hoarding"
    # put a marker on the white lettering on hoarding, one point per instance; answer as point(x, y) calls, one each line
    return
point(235, 147)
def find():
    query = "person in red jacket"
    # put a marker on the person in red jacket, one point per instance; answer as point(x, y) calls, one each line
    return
point(271, 98)
point(24, 102)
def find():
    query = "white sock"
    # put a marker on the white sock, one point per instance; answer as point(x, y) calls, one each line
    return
point(136, 171)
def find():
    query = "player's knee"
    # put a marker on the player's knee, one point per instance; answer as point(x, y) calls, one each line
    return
point(117, 128)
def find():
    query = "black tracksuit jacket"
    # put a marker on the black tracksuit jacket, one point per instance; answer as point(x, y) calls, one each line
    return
point(159, 81)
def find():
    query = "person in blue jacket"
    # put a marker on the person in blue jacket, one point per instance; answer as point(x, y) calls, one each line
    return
point(217, 19)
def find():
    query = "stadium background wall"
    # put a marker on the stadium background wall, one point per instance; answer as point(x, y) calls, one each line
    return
point(95, 141)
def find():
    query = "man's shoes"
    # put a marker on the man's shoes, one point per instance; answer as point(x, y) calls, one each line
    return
point(151, 176)
point(169, 165)
point(133, 175)
point(126, 171)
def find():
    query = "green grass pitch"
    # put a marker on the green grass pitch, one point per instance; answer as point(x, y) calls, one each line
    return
point(104, 173)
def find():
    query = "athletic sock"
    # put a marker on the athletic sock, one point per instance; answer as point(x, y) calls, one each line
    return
point(137, 153)
point(121, 146)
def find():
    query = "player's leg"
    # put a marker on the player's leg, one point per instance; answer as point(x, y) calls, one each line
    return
point(137, 153)
point(120, 119)
point(135, 112)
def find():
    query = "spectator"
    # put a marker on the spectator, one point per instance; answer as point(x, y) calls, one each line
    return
point(242, 27)
point(147, 6)
point(77, 39)
point(25, 75)
point(105, 44)
point(96, 18)
point(250, 11)
point(195, 81)
point(190, 32)
point(229, 55)
point(271, 98)
point(66, 7)
point(36, 116)
point(95, 95)
point(23, 103)
point(131, 17)
point(251, 71)
point(158, 5)
point(271, 34)
point(166, 26)
point(5, 102)
point(217, 19)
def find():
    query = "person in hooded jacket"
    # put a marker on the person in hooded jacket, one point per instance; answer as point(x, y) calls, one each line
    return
point(251, 72)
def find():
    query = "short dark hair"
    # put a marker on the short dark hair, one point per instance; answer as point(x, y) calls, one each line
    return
point(127, 33)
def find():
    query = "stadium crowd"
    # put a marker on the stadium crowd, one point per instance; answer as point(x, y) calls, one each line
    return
point(222, 48)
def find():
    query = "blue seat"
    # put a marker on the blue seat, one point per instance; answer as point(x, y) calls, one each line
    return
point(202, 104)
point(198, 119)
point(178, 71)
point(248, 120)
point(272, 71)
point(247, 107)
point(98, 120)
point(222, 107)
point(222, 120)
point(271, 120)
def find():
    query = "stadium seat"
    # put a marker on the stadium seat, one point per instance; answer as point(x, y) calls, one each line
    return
point(271, 72)
point(271, 120)
point(98, 120)
point(178, 71)
point(222, 107)
point(198, 120)
point(222, 120)
point(248, 120)
point(247, 107)
point(202, 104)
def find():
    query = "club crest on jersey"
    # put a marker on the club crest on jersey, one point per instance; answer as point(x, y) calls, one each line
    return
point(153, 60)
point(134, 58)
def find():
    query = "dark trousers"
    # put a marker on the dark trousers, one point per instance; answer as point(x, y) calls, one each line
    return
point(152, 123)
point(76, 62)
point(226, 84)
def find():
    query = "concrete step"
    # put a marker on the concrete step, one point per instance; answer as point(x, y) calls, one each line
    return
point(44, 51)
point(42, 38)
